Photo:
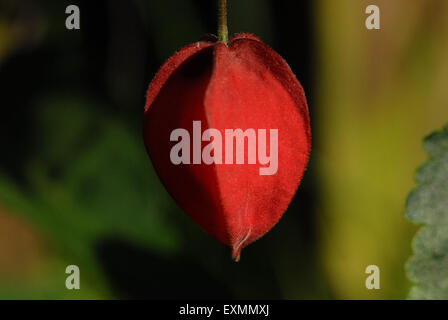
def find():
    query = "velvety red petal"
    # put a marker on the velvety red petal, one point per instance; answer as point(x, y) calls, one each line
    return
point(170, 66)
point(244, 85)
point(253, 88)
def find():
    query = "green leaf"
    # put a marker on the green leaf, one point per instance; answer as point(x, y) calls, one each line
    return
point(89, 180)
point(428, 205)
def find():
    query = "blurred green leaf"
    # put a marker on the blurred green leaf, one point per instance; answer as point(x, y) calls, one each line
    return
point(428, 205)
point(90, 179)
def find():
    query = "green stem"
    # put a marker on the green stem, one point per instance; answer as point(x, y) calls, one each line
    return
point(223, 32)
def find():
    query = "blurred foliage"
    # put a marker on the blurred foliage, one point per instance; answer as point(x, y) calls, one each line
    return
point(379, 92)
point(90, 179)
point(428, 205)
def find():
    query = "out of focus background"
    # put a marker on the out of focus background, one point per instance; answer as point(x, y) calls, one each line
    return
point(76, 185)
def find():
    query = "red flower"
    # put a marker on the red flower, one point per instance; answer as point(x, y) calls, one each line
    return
point(243, 85)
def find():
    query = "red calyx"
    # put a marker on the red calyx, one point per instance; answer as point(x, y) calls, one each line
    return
point(242, 85)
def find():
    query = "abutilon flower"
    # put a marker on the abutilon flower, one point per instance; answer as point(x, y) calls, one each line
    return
point(235, 84)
